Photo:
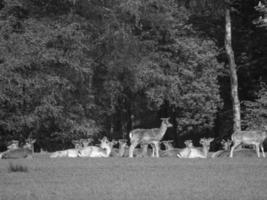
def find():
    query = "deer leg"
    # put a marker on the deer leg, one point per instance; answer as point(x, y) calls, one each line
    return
point(144, 150)
point(233, 148)
point(157, 149)
point(153, 150)
point(262, 150)
point(258, 150)
point(131, 149)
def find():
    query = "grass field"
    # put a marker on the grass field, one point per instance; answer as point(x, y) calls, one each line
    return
point(135, 179)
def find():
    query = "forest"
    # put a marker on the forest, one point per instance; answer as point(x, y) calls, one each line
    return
point(72, 69)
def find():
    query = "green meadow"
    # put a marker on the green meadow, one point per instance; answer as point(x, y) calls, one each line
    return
point(134, 179)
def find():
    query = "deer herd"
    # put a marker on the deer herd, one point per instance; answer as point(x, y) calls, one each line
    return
point(145, 138)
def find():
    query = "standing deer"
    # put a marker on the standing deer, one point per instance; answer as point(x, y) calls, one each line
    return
point(25, 152)
point(193, 152)
point(149, 136)
point(255, 138)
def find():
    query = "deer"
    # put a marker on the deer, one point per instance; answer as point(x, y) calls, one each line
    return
point(77, 144)
point(148, 136)
point(226, 145)
point(103, 151)
point(14, 144)
point(122, 147)
point(168, 145)
point(192, 152)
point(155, 146)
point(184, 153)
point(70, 153)
point(86, 142)
point(253, 137)
point(25, 152)
point(169, 149)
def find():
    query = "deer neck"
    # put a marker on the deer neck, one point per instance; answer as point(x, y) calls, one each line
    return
point(169, 147)
point(108, 150)
point(162, 129)
point(205, 151)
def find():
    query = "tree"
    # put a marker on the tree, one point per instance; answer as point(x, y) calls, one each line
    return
point(232, 66)
point(46, 75)
point(77, 68)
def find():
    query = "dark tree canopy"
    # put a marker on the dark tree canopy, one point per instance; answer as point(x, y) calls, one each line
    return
point(84, 68)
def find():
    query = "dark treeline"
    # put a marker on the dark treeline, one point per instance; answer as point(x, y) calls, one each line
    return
point(88, 68)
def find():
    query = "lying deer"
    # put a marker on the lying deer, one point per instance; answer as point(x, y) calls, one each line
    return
point(93, 151)
point(148, 136)
point(25, 152)
point(226, 145)
point(169, 151)
point(192, 152)
point(184, 153)
point(70, 153)
point(86, 142)
point(77, 144)
point(255, 138)
point(14, 144)
point(168, 145)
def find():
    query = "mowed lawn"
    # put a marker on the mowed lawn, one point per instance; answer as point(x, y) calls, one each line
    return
point(135, 179)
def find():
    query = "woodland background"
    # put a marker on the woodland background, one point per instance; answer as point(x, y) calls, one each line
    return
point(73, 69)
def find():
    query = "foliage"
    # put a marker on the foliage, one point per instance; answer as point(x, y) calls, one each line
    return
point(255, 113)
point(71, 69)
point(45, 77)
point(164, 60)
point(262, 19)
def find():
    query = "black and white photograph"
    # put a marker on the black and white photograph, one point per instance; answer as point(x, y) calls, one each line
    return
point(133, 99)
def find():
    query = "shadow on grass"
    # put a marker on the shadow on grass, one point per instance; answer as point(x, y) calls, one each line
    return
point(15, 167)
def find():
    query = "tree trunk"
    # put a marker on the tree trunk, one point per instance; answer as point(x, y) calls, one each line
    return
point(232, 65)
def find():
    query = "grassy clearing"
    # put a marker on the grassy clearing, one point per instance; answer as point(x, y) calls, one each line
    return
point(135, 179)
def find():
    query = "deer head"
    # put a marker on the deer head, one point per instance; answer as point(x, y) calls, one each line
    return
point(206, 142)
point(168, 145)
point(76, 143)
point(165, 122)
point(188, 143)
point(14, 144)
point(86, 142)
point(29, 143)
point(226, 144)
